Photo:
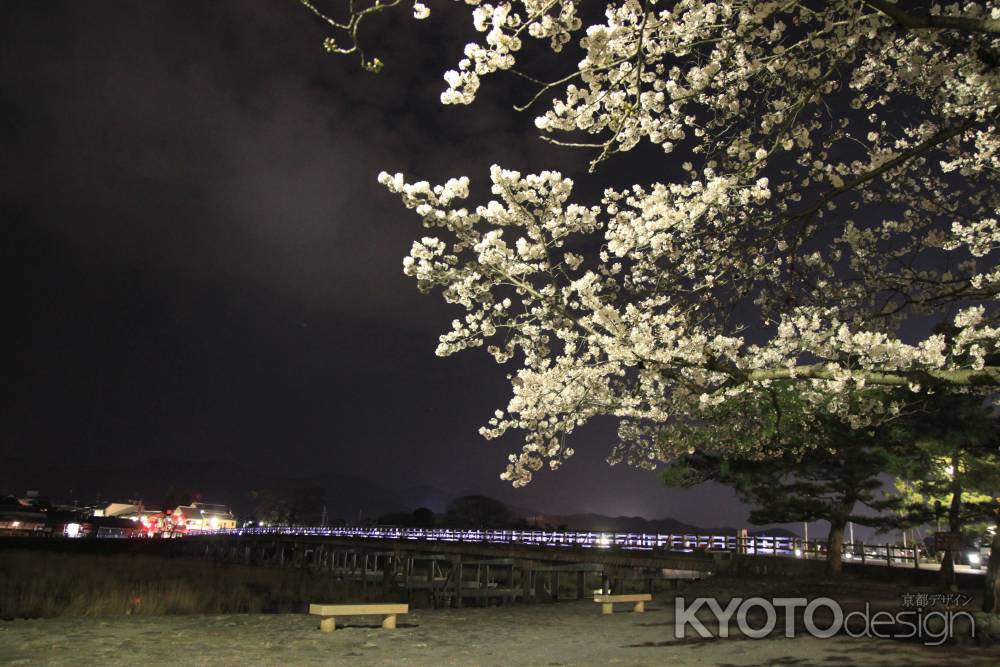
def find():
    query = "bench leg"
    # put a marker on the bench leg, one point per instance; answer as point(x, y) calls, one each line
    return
point(639, 607)
point(389, 622)
point(607, 608)
point(328, 624)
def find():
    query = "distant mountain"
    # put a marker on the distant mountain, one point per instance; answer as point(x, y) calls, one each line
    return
point(430, 497)
point(216, 480)
point(347, 497)
point(150, 480)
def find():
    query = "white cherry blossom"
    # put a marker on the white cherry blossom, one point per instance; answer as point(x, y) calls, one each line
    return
point(839, 197)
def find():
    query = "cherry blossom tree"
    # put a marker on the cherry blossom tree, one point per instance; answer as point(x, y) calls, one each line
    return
point(840, 164)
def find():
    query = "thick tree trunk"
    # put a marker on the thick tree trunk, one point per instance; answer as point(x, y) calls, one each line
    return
point(991, 596)
point(835, 547)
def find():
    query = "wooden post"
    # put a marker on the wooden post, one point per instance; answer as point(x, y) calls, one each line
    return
point(538, 586)
point(862, 553)
point(364, 576)
point(388, 574)
point(607, 608)
point(430, 582)
point(328, 624)
point(640, 607)
point(389, 622)
point(481, 581)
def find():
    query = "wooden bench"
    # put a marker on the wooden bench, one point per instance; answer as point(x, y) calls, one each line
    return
point(328, 612)
point(608, 601)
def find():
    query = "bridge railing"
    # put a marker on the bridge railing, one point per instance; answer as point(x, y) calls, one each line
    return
point(546, 538)
point(757, 545)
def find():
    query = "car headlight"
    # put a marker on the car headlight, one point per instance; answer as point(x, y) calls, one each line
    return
point(974, 559)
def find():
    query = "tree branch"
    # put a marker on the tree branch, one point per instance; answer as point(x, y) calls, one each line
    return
point(935, 139)
point(988, 376)
point(932, 22)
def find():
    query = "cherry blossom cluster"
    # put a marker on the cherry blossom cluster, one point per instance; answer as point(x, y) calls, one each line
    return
point(837, 176)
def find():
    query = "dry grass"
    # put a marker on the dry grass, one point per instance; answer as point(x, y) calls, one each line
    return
point(45, 584)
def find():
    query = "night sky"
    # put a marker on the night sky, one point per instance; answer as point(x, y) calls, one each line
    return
point(199, 262)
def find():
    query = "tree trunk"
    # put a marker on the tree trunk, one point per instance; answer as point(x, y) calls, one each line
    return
point(835, 546)
point(991, 596)
point(955, 510)
point(948, 577)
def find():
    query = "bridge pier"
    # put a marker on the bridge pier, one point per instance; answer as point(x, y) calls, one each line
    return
point(450, 573)
point(526, 580)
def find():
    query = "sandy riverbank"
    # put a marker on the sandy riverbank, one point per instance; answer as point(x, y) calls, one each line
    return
point(566, 633)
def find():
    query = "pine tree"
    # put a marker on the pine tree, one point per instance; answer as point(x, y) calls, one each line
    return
point(814, 468)
point(951, 471)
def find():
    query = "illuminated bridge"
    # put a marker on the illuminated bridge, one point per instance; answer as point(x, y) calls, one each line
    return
point(450, 565)
point(537, 538)
point(595, 542)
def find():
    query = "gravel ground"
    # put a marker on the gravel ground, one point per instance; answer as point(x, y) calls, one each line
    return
point(567, 633)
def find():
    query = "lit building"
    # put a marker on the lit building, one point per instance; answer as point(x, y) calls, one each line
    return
point(203, 516)
point(132, 508)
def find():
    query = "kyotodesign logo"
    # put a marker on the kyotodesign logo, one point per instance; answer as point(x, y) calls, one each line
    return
point(757, 618)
